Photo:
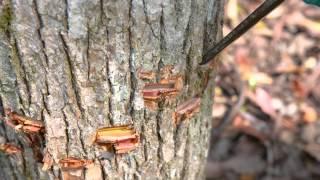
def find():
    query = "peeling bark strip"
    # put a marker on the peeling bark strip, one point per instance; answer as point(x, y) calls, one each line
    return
point(73, 65)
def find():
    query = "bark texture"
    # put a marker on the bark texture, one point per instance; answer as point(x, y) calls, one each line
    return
point(73, 64)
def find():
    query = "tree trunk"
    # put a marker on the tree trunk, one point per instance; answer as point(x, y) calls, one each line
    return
point(74, 64)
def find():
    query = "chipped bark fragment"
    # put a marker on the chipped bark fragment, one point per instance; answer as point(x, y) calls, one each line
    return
point(158, 91)
point(252, 126)
point(168, 87)
point(186, 110)
point(146, 75)
point(72, 175)
point(176, 80)
point(115, 134)
point(159, 87)
point(10, 148)
point(72, 163)
point(47, 161)
point(125, 146)
point(151, 96)
point(23, 123)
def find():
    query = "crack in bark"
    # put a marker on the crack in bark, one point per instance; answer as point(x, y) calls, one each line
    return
point(205, 30)
point(101, 11)
point(177, 10)
point(24, 78)
point(66, 14)
point(187, 51)
point(160, 104)
point(143, 129)
point(160, 139)
point(185, 159)
point(103, 174)
point(66, 130)
point(81, 139)
point(87, 52)
point(217, 20)
point(75, 88)
point(175, 138)
point(188, 68)
point(162, 36)
point(133, 80)
point(45, 105)
point(145, 11)
point(40, 26)
point(110, 115)
point(1, 107)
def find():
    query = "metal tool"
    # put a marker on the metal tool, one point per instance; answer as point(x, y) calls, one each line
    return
point(265, 8)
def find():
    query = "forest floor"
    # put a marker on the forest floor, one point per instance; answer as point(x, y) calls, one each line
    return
point(267, 99)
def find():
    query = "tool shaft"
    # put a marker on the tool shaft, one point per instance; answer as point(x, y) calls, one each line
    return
point(265, 8)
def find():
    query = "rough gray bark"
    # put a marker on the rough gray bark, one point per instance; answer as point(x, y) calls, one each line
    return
point(73, 64)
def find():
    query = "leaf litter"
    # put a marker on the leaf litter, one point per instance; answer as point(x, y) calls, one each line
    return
point(267, 101)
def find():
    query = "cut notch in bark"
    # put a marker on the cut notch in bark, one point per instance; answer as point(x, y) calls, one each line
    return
point(23, 123)
point(186, 110)
point(165, 89)
point(72, 163)
point(125, 146)
point(122, 138)
point(10, 148)
point(146, 75)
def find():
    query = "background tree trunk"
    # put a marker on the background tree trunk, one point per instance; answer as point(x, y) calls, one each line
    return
point(73, 64)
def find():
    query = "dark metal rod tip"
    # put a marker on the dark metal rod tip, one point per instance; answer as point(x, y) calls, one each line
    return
point(265, 8)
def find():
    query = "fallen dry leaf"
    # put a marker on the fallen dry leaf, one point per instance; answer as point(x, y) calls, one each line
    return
point(299, 45)
point(309, 114)
point(296, 18)
point(299, 88)
point(218, 110)
point(264, 101)
point(286, 65)
point(244, 63)
point(310, 63)
point(259, 78)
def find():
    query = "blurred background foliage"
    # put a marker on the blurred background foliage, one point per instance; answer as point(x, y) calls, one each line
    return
point(267, 99)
